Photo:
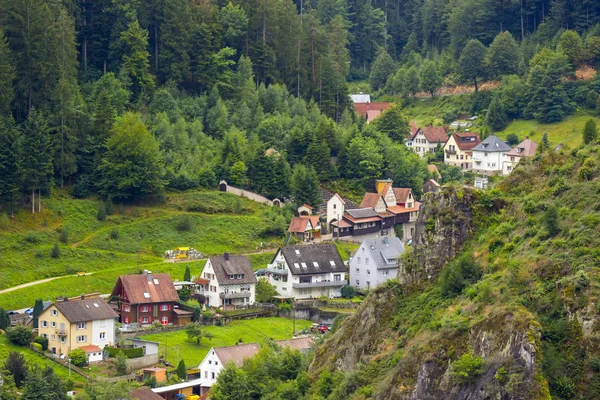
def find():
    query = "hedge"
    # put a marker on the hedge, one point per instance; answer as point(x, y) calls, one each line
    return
point(129, 353)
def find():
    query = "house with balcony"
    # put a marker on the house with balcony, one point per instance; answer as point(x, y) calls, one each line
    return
point(88, 324)
point(308, 271)
point(426, 139)
point(526, 148)
point(458, 150)
point(231, 281)
point(145, 298)
point(375, 261)
point(488, 156)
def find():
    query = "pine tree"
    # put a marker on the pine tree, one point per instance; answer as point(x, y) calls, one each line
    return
point(181, 370)
point(7, 77)
point(173, 56)
point(37, 310)
point(135, 62)
point(305, 186)
point(503, 55)
point(496, 117)
point(383, 67)
point(590, 132)
point(318, 156)
point(37, 155)
point(10, 164)
point(4, 319)
point(187, 276)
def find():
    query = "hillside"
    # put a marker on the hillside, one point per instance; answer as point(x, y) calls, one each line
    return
point(499, 298)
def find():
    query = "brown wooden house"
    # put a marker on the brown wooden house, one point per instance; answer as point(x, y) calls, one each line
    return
point(146, 298)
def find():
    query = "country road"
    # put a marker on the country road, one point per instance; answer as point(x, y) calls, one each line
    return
point(28, 284)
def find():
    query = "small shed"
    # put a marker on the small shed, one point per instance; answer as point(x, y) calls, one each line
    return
point(93, 353)
point(431, 186)
point(149, 347)
point(159, 373)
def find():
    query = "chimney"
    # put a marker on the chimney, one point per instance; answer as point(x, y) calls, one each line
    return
point(149, 276)
point(83, 297)
point(226, 255)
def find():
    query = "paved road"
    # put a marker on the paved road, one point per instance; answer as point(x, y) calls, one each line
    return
point(28, 284)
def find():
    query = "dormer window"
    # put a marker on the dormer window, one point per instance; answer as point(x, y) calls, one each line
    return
point(519, 149)
point(231, 276)
point(240, 276)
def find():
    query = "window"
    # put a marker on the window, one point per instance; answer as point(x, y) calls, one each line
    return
point(240, 276)
point(367, 261)
point(102, 335)
point(210, 362)
point(334, 206)
point(213, 375)
point(54, 313)
point(145, 309)
point(53, 324)
point(164, 307)
point(462, 157)
point(337, 278)
point(145, 320)
point(81, 339)
point(358, 261)
point(81, 325)
point(231, 276)
point(357, 282)
point(62, 339)
point(216, 363)
point(164, 320)
point(386, 273)
point(368, 272)
point(486, 154)
point(368, 284)
point(358, 270)
point(206, 374)
point(126, 308)
point(146, 295)
point(44, 324)
point(44, 335)
point(53, 337)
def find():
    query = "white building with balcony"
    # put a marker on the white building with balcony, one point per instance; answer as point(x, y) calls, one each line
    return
point(310, 271)
point(231, 281)
point(375, 262)
point(488, 156)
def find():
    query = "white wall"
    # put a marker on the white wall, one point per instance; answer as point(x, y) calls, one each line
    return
point(108, 327)
point(487, 163)
point(212, 296)
point(335, 209)
point(210, 367)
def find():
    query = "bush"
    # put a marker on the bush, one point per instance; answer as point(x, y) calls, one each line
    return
point(101, 214)
point(42, 341)
point(184, 224)
point(108, 207)
point(20, 335)
point(129, 353)
point(78, 357)
point(121, 363)
point(64, 235)
point(82, 188)
point(466, 368)
point(460, 273)
point(348, 292)
point(550, 220)
point(114, 234)
point(55, 252)
point(31, 238)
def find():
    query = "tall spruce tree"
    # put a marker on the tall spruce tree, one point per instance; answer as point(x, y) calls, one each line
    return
point(305, 186)
point(10, 164)
point(496, 117)
point(135, 62)
point(503, 55)
point(590, 132)
point(7, 77)
point(173, 56)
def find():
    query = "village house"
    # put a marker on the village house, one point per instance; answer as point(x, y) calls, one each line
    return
point(458, 150)
point(146, 298)
point(88, 324)
point(218, 357)
point(305, 228)
point(336, 206)
point(375, 262)
point(370, 111)
point(232, 281)
point(434, 171)
point(526, 148)
point(309, 271)
point(488, 156)
point(427, 139)
point(431, 186)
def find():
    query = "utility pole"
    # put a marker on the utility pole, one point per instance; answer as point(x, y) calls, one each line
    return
point(293, 319)
point(138, 250)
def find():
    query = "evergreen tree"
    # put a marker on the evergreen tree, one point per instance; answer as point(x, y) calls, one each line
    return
point(135, 62)
point(471, 60)
point(37, 156)
point(590, 132)
point(496, 116)
point(16, 366)
point(37, 310)
point(364, 160)
point(411, 46)
point(132, 165)
point(503, 55)
point(187, 276)
point(43, 384)
point(383, 67)
point(305, 186)
point(571, 45)
point(393, 123)
point(181, 370)
point(431, 80)
point(11, 169)
point(412, 82)
point(7, 77)
point(318, 156)
point(4, 319)
point(235, 26)
point(173, 55)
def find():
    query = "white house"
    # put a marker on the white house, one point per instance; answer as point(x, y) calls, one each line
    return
point(335, 209)
point(526, 148)
point(305, 272)
point(375, 262)
point(150, 348)
point(232, 281)
point(427, 139)
point(489, 155)
point(458, 149)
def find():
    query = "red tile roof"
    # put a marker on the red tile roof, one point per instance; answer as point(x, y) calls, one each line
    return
point(341, 224)
point(433, 169)
point(435, 134)
point(370, 200)
point(142, 288)
point(401, 194)
point(413, 127)
point(373, 114)
point(461, 140)
point(91, 349)
point(202, 281)
point(363, 108)
point(402, 209)
point(527, 146)
point(236, 354)
point(299, 224)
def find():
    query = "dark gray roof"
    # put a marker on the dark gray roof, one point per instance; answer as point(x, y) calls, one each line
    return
point(313, 259)
point(384, 249)
point(235, 265)
point(492, 144)
point(363, 213)
point(85, 310)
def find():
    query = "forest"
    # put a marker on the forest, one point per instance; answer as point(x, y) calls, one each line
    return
point(127, 98)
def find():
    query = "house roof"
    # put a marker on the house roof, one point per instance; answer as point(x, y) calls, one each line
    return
point(435, 134)
point(341, 224)
point(202, 281)
point(339, 197)
point(145, 393)
point(383, 249)
point(85, 310)
point(235, 265)
point(363, 109)
point(466, 140)
point(272, 152)
point(178, 386)
point(492, 144)
point(360, 98)
point(413, 128)
point(370, 200)
point(373, 114)
point(402, 209)
point(360, 213)
point(147, 288)
point(434, 170)
point(433, 182)
point(91, 349)
point(236, 354)
point(307, 206)
point(313, 259)
point(526, 148)
point(301, 343)
point(299, 224)
point(401, 194)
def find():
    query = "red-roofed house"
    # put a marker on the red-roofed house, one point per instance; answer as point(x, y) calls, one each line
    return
point(147, 297)
point(526, 148)
point(305, 228)
point(458, 149)
point(426, 139)
point(370, 111)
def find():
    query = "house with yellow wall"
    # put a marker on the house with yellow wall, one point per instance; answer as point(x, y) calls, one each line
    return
point(88, 324)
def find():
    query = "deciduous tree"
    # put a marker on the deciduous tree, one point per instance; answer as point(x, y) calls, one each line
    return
point(471, 61)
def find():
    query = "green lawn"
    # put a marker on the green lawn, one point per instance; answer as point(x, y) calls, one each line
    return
point(33, 358)
point(176, 344)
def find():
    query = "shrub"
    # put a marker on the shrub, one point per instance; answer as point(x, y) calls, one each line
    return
point(31, 238)
point(101, 214)
point(20, 335)
point(42, 341)
point(108, 207)
point(114, 234)
point(595, 363)
point(348, 292)
point(55, 252)
point(184, 224)
point(121, 363)
point(460, 273)
point(466, 368)
point(64, 235)
point(129, 353)
point(181, 370)
point(78, 357)
point(36, 346)
point(564, 387)
point(17, 367)
point(82, 188)
point(550, 220)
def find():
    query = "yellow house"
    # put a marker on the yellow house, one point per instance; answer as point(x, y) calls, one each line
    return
point(458, 150)
point(70, 324)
